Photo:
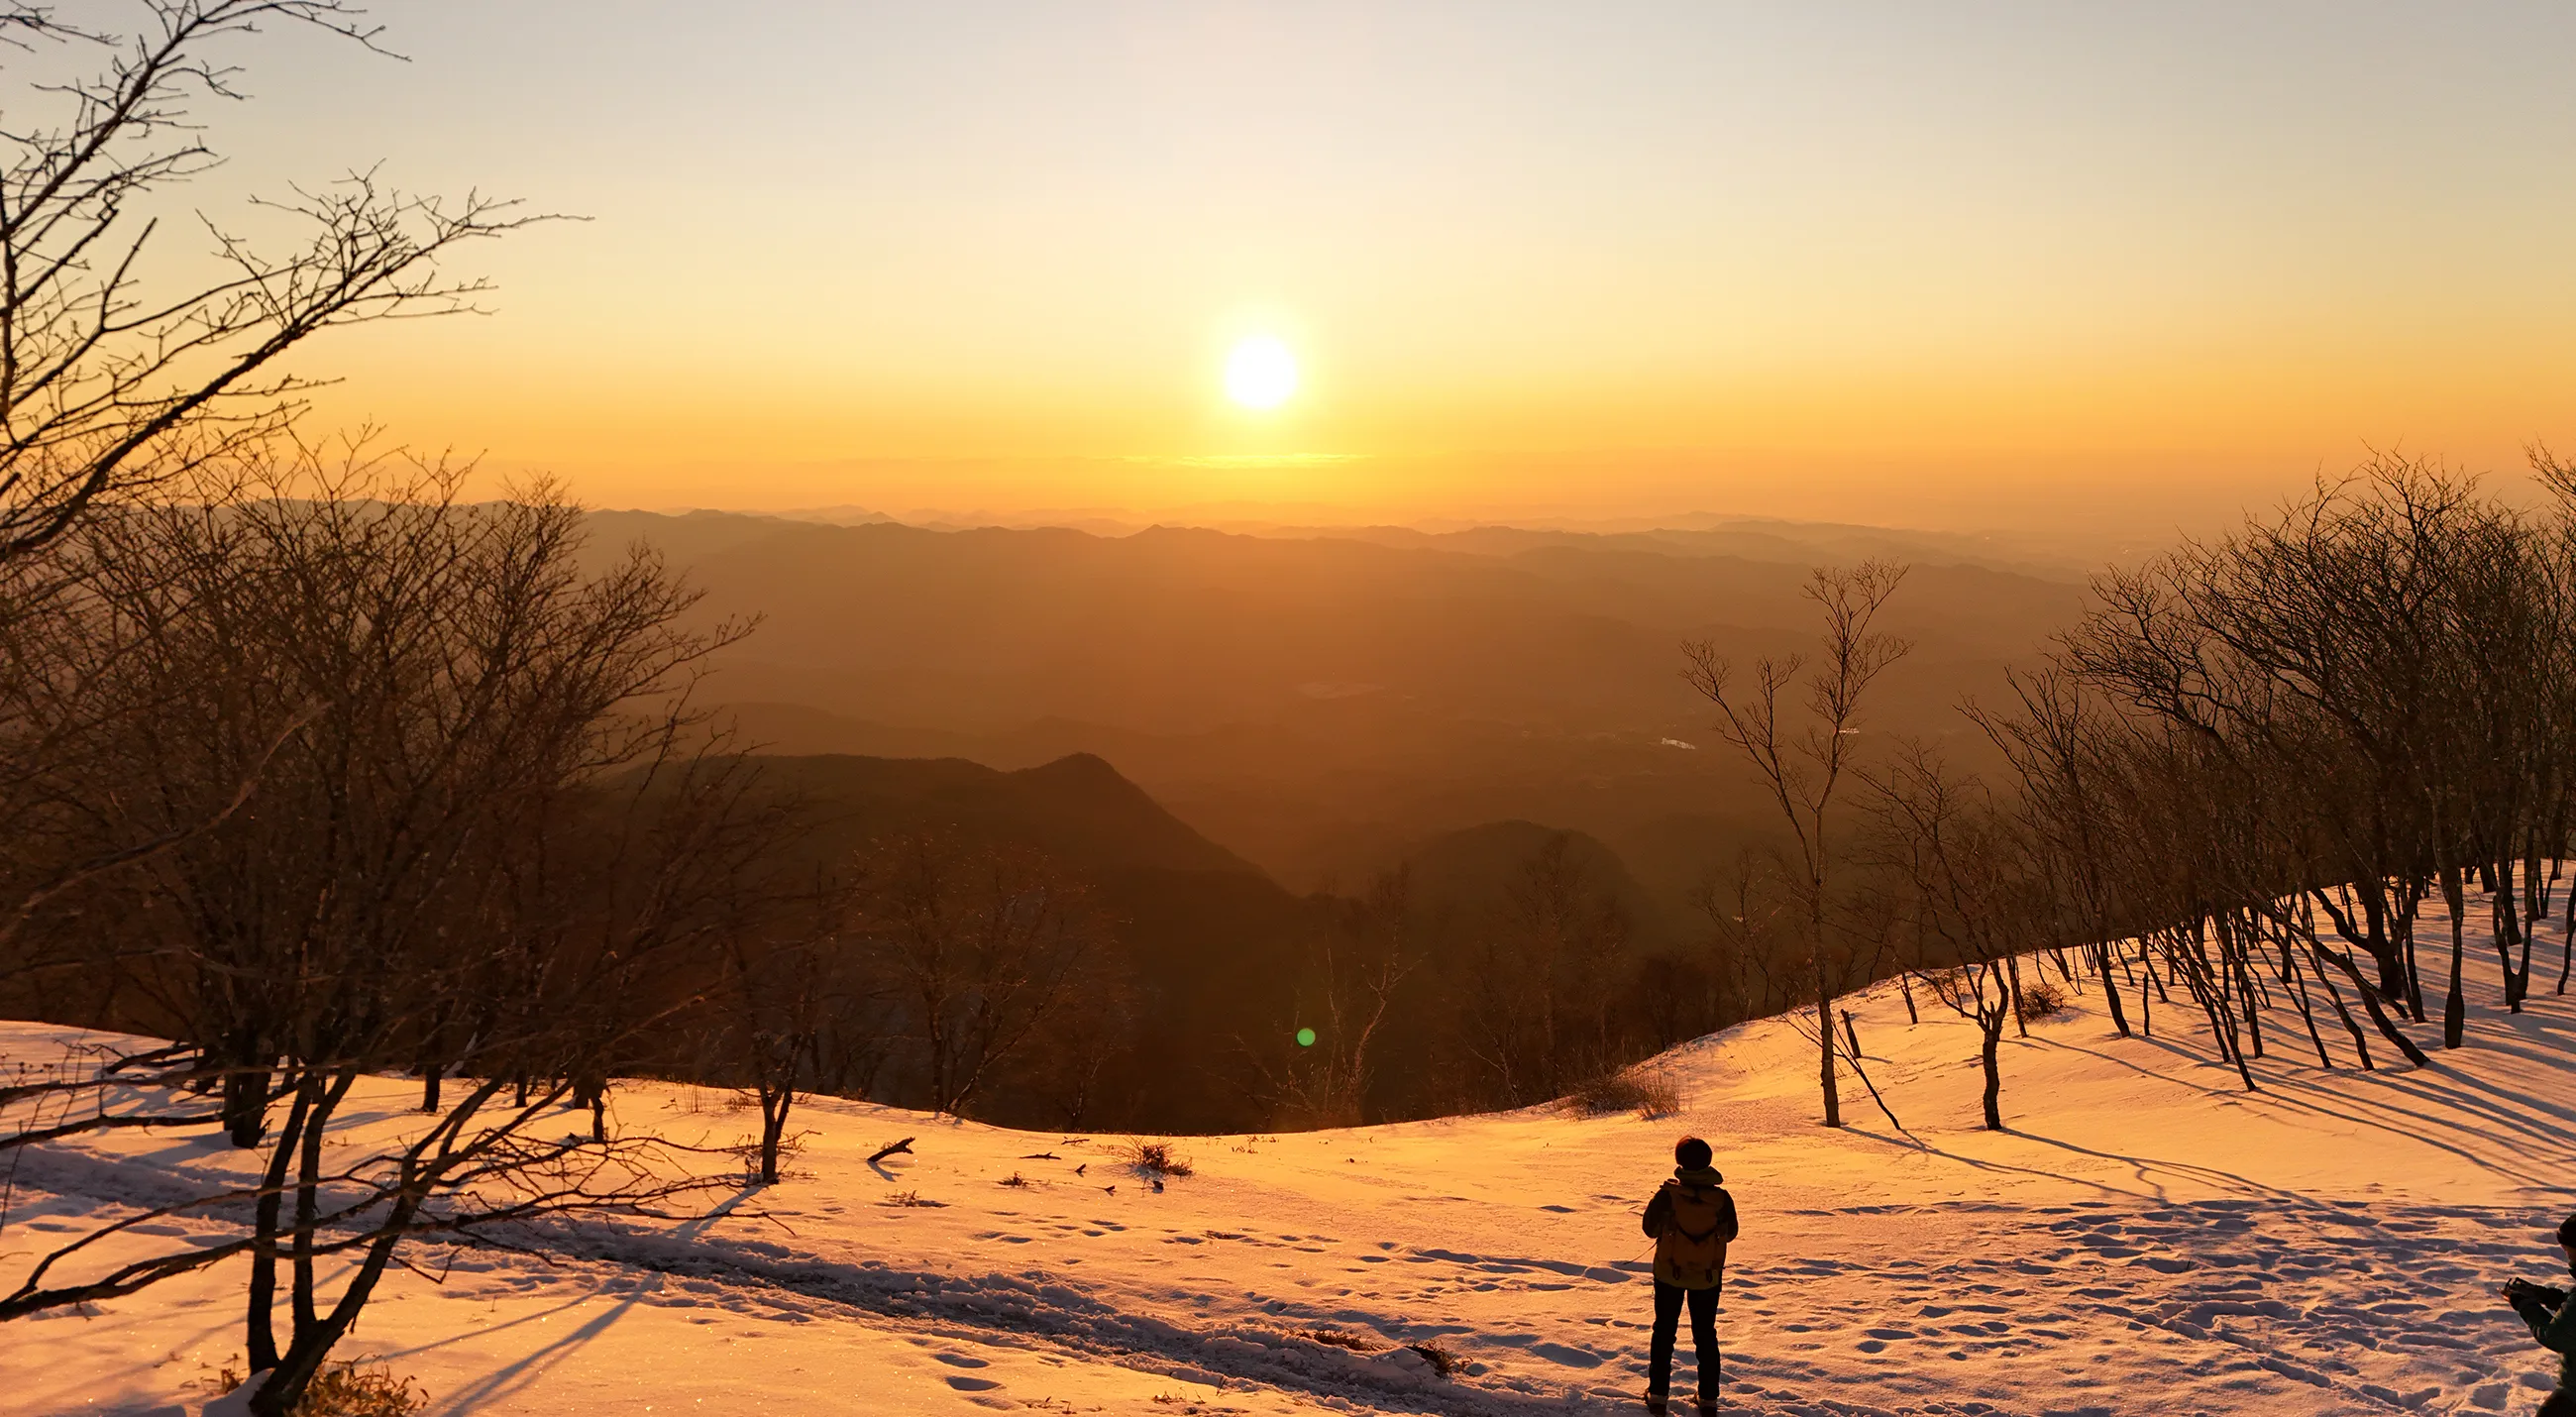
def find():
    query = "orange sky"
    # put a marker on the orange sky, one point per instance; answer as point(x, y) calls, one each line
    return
point(1975, 265)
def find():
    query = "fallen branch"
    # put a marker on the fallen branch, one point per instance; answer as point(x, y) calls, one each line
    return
point(1873, 1087)
point(903, 1147)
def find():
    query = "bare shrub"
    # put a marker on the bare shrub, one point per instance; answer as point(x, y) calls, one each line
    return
point(1443, 1360)
point(346, 1390)
point(1651, 1093)
point(2041, 999)
point(1154, 1158)
point(351, 1391)
point(1337, 1338)
point(766, 1165)
point(911, 1198)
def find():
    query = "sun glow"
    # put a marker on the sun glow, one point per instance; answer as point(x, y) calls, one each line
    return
point(1260, 373)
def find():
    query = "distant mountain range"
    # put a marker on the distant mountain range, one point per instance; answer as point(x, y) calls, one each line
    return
point(1756, 538)
point(1322, 704)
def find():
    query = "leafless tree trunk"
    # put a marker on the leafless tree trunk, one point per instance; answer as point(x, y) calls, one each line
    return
point(786, 983)
point(1802, 770)
point(1972, 879)
point(985, 944)
point(1357, 967)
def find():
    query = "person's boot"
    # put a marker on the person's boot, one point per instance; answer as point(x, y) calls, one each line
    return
point(1707, 1401)
point(1656, 1402)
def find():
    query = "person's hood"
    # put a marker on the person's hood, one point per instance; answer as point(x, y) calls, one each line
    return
point(1698, 1176)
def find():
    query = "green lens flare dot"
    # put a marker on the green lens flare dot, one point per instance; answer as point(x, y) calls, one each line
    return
point(1305, 1038)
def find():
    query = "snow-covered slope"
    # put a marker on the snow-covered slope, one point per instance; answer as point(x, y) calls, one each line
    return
point(2148, 1239)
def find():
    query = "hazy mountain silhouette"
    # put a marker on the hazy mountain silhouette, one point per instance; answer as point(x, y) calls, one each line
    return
point(1076, 809)
point(1321, 703)
point(1800, 544)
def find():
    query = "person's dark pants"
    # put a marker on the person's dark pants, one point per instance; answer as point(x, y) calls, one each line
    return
point(2561, 1403)
point(1668, 1317)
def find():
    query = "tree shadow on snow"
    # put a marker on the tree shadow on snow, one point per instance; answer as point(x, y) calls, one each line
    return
point(521, 1373)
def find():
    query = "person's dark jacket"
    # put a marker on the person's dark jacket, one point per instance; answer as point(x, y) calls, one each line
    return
point(1693, 1220)
point(2552, 1320)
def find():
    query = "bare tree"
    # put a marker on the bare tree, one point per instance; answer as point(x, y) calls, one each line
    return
point(787, 986)
point(1969, 877)
point(1803, 768)
point(985, 944)
point(1071, 1060)
point(1354, 969)
point(1979, 992)
point(1744, 910)
point(111, 382)
point(2051, 743)
point(2374, 684)
point(494, 847)
point(1538, 1013)
point(122, 371)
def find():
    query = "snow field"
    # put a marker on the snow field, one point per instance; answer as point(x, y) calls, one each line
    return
point(2147, 1239)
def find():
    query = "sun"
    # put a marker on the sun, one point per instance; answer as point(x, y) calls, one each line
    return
point(1260, 373)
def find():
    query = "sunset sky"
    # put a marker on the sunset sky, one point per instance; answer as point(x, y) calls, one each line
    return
point(1951, 265)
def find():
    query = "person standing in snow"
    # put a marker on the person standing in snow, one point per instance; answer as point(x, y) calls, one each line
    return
point(2553, 1321)
point(1692, 1218)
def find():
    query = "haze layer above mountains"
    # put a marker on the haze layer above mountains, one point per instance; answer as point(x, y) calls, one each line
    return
point(1329, 703)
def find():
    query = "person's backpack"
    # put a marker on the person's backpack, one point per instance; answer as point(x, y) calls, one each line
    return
point(1691, 1251)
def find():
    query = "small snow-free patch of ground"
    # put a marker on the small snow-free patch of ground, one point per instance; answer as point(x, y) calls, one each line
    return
point(2147, 1238)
